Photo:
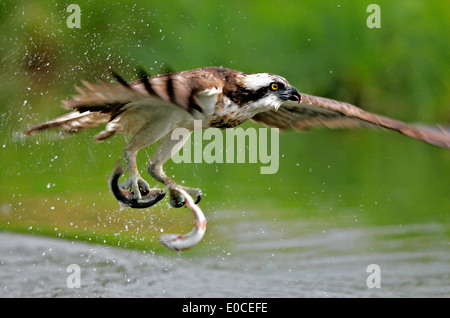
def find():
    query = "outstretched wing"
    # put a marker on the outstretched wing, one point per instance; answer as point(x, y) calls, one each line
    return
point(104, 103)
point(319, 111)
point(113, 100)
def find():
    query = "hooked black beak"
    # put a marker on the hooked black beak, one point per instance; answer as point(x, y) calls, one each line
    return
point(294, 95)
point(291, 93)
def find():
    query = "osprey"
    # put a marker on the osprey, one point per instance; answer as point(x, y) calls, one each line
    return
point(150, 108)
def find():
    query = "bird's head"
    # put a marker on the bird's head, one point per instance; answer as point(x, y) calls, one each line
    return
point(267, 90)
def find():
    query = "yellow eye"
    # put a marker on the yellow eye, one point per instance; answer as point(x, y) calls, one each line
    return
point(274, 86)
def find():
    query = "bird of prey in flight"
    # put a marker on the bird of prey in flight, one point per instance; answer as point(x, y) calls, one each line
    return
point(150, 108)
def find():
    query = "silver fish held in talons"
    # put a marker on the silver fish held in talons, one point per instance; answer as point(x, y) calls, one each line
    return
point(180, 242)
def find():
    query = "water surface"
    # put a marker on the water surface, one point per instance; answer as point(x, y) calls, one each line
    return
point(263, 259)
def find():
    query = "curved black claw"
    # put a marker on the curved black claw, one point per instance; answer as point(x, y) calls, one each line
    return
point(176, 203)
point(177, 200)
point(127, 198)
point(196, 193)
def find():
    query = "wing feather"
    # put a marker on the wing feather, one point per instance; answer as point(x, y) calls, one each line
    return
point(315, 111)
point(71, 122)
point(99, 103)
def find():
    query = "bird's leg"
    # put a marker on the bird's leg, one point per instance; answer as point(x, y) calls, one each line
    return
point(135, 192)
point(164, 152)
point(176, 198)
point(134, 183)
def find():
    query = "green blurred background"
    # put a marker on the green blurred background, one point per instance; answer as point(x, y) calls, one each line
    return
point(57, 186)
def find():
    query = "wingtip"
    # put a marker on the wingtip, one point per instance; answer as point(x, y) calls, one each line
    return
point(145, 78)
point(437, 135)
point(27, 132)
point(120, 79)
